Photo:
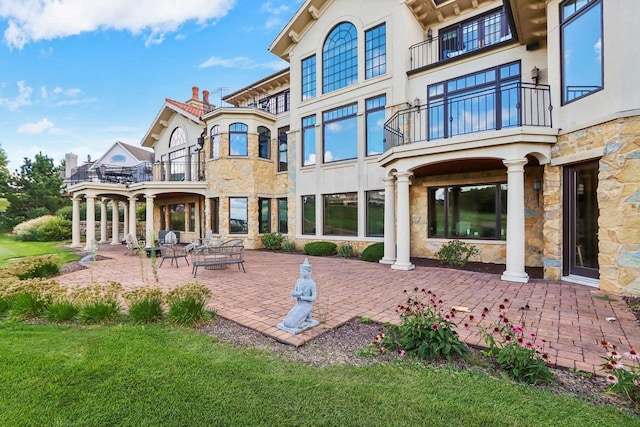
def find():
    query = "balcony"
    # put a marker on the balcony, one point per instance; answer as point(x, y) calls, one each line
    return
point(143, 172)
point(512, 105)
point(480, 33)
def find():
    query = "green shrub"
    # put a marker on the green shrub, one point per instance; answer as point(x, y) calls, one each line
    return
point(141, 213)
point(61, 312)
point(457, 253)
point(320, 248)
point(54, 230)
point(272, 241)
point(98, 303)
point(43, 266)
point(65, 212)
point(345, 251)
point(99, 312)
point(145, 305)
point(425, 329)
point(373, 253)
point(187, 303)
point(288, 246)
point(27, 230)
point(4, 305)
point(26, 305)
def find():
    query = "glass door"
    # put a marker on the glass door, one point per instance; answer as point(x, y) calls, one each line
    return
point(581, 220)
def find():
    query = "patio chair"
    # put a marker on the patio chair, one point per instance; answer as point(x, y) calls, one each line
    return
point(171, 250)
point(132, 244)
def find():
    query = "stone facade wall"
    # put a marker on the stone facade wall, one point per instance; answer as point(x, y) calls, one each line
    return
point(490, 251)
point(618, 202)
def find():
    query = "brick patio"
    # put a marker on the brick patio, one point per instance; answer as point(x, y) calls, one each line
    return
point(571, 317)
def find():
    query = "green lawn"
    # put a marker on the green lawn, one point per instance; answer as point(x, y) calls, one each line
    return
point(162, 376)
point(11, 248)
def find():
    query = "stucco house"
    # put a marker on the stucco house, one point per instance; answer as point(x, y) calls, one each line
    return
point(507, 124)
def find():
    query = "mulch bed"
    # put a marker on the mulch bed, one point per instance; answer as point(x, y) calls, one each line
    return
point(479, 267)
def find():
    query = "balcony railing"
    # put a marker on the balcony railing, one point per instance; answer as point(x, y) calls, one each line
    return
point(160, 171)
point(514, 105)
point(470, 36)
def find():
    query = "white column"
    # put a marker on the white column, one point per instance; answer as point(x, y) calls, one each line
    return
point(132, 216)
point(187, 166)
point(515, 222)
point(125, 220)
point(75, 223)
point(403, 262)
point(91, 222)
point(389, 220)
point(103, 221)
point(115, 222)
point(149, 220)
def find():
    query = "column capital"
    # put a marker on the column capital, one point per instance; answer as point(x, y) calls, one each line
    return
point(133, 198)
point(90, 197)
point(389, 179)
point(515, 164)
point(149, 196)
point(403, 175)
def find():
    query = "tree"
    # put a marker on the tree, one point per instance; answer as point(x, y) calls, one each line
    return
point(5, 175)
point(35, 191)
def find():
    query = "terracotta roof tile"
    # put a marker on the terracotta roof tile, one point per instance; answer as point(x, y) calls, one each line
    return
point(194, 111)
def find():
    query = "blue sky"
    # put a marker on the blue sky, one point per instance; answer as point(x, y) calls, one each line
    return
point(78, 75)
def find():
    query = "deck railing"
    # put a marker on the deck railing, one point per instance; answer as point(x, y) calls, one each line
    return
point(159, 171)
point(514, 105)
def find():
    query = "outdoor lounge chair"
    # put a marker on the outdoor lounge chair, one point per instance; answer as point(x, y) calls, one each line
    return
point(132, 244)
point(171, 250)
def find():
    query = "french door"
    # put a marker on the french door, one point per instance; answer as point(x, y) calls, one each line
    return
point(581, 220)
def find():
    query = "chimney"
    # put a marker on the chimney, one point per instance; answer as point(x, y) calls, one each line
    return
point(70, 163)
point(194, 93)
point(205, 97)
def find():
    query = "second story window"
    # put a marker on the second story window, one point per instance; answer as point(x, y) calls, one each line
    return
point(215, 142)
point(340, 132)
point(340, 58)
point(375, 125)
point(177, 137)
point(283, 149)
point(309, 77)
point(238, 139)
point(581, 40)
point(375, 41)
point(309, 141)
point(264, 141)
point(477, 33)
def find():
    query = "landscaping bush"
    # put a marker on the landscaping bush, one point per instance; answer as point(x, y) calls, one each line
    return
point(373, 253)
point(54, 230)
point(61, 312)
point(273, 241)
point(345, 251)
point(456, 253)
point(65, 212)
point(288, 246)
point(187, 303)
point(425, 329)
point(320, 248)
point(27, 299)
point(145, 305)
point(25, 305)
point(43, 266)
point(26, 231)
point(98, 303)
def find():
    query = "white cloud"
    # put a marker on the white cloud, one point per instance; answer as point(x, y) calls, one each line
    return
point(328, 156)
point(597, 48)
point(242, 62)
point(33, 20)
point(42, 126)
point(334, 127)
point(23, 98)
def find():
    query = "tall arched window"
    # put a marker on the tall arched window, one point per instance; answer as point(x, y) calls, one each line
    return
point(340, 58)
point(215, 142)
point(177, 137)
point(264, 141)
point(238, 139)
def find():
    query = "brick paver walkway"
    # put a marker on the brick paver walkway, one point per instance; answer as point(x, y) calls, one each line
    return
point(572, 318)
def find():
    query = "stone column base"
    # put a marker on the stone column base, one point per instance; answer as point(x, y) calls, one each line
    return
point(510, 276)
point(401, 266)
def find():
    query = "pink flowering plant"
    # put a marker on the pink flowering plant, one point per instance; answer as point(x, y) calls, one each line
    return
point(426, 329)
point(517, 351)
point(623, 371)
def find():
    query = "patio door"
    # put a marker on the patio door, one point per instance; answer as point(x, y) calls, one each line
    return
point(581, 220)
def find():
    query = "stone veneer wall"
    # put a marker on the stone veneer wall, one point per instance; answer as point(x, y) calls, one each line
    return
point(618, 200)
point(490, 251)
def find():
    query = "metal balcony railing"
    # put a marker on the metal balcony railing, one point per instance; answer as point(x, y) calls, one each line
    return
point(179, 171)
point(513, 105)
point(470, 36)
point(112, 174)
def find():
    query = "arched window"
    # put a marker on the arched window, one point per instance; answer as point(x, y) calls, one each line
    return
point(238, 139)
point(177, 137)
point(215, 142)
point(118, 158)
point(264, 141)
point(340, 58)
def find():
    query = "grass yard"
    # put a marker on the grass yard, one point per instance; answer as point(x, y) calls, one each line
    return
point(11, 248)
point(163, 376)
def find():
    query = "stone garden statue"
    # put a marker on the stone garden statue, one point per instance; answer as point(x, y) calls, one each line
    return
point(299, 318)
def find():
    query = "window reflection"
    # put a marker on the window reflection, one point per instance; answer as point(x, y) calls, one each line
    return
point(340, 58)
